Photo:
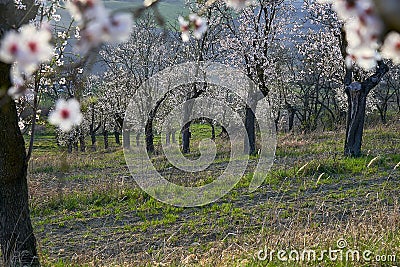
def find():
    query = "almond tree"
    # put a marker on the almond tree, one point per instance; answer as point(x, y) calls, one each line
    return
point(16, 245)
point(252, 40)
point(356, 91)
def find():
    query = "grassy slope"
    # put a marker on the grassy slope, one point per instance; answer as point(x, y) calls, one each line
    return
point(92, 213)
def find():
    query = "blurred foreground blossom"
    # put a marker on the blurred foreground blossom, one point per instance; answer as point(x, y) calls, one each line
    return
point(364, 31)
point(66, 114)
point(237, 4)
point(196, 23)
point(98, 25)
point(26, 49)
point(391, 47)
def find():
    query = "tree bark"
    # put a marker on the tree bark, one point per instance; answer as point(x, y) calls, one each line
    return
point(168, 137)
point(137, 137)
point(357, 93)
point(212, 131)
point(76, 144)
point(250, 122)
point(105, 137)
point(186, 138)
point(187, 111)
point(93, 138)
point(82, 142)
point(149, 136)
point(185, 131)
point(17, 240)
point(173, 136)
point(250, 143)
point(117, 137)
point(126, 139)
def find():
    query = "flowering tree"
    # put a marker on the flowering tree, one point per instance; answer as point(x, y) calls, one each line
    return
point(25, 47)
point(21, 53)
point(356, 29)
point(252, 41)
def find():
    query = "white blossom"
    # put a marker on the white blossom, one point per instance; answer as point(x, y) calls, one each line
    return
point(184, 27)
point(391, 47)
point(195, 22)
point(98, 25)
point(199, 25)
point(66, 114)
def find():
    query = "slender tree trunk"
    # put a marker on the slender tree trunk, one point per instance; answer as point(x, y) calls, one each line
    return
point(291, 120)
point(148, 129)
point(82, 140)
point(93, 139)
point(76, 144)
point(149, 136)
point(357, 93)
point(168, 137)
point(117, 137)
point(224, 133)
point(173, 137)
point(212, 131)
point(105, 137)
point(33, 126)
point(126, 139)
point(185, 131)
point(17, 240)
point(250, 143)
point(186, 138)
point(69, 147)
point(137, 139)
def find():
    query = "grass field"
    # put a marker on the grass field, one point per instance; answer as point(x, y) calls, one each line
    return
point(88, 211)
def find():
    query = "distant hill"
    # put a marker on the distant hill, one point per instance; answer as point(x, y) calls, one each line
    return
point(170, 9)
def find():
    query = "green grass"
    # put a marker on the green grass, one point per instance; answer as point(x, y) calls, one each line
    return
point(93, 213)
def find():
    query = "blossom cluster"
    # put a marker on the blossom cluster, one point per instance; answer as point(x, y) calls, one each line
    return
point(98, 25)
point(198, 25)
point(66, 114)
point(26, 50)
point(195, 22)
point(364, 29)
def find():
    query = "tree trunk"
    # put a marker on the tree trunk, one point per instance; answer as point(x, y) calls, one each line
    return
point(168, 137)
point(250, 143)
point(93, 139)
point(148, 129)
point(82, 140)
point(76, 144)
point(105, 137)
point(149, 136)
point(355, 121)
point(137, 139)
point(224, 133)
point(292, 112)
point(17, 240)
point(357, 93)
point(69, 147)
point(173, 137)
point(117, 138)
point(126, 139)
point(185, 131)
point(186, 138)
